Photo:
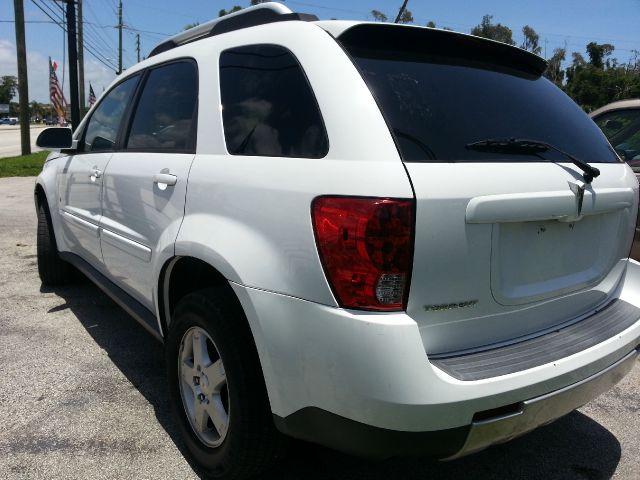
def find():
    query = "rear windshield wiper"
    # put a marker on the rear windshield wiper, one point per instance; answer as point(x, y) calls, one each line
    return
point(535, 147)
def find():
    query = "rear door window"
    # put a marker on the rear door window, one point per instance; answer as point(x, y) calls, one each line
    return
point(441, 94)
point(268, 107)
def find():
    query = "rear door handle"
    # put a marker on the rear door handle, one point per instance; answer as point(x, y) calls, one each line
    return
point(165, 179)
point(95, 174)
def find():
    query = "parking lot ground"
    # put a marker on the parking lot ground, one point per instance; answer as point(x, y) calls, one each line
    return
point(82, 395)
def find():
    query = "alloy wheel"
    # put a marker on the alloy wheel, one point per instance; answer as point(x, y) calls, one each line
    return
point(203, 387)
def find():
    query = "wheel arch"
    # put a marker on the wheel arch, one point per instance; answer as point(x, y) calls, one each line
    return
point(181, 275)
point(39, 195)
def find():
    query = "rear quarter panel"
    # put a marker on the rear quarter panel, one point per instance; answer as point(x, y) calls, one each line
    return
point(250, 217)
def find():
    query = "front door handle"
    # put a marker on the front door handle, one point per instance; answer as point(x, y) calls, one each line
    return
point(164, 179)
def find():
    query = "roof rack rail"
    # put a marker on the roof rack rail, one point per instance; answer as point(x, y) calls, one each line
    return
point(260, 14)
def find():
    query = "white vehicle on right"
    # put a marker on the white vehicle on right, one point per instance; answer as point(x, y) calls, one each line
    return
point(620, 122)
point(385, 239)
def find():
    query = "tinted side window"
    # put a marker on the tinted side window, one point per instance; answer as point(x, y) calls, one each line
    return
point(164, 119)
point(268, 108)
point(104, 123)
point(612, 123)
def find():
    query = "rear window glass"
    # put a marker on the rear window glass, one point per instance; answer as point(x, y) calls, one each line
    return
point(436, 105)
point(268, 108)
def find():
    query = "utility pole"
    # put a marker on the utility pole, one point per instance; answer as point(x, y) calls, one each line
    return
point(119, 37)
point(138, 45)
point(81, 58)
point(73, 63)
point(401, 11)
point(23, 87)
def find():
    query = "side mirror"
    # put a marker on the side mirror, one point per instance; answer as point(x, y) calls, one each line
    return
point(55, 138)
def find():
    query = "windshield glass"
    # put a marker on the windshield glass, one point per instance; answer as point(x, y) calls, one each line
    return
point(435, 105)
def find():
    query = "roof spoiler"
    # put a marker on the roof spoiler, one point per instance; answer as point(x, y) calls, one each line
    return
point(260, 14)
point(440, 45)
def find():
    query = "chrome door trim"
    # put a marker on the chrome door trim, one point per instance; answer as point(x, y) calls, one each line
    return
point(76, 220)
point(131, 247)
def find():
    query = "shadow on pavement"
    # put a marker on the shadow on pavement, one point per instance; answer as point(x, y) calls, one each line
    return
point(574, 447)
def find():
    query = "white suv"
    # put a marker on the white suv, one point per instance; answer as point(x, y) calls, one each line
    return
point(384, 239)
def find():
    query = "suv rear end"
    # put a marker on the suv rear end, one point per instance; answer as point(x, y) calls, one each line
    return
point(518, 305)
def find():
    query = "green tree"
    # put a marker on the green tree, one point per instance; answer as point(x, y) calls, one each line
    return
point(531, 40)
point(224, 12)
point(190, 25)
point(38, 110)
point(498, 32)
point(406, 16)
point(554, 70)
point(8, 87)
point(598, 52)
point(431, 24)
point(601, 80)
point(378, 16)
point(577, 60)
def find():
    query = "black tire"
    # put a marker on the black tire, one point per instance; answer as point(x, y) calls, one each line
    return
point(252, 443)
point(52, 269)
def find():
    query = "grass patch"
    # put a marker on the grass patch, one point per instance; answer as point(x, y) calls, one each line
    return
point(23, 166)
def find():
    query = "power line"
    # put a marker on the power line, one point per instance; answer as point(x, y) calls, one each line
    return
point(60, 23)
point(90, 49)
point(89, 40)
point(28, 21)
point(155, 8)
point(346, 10)
point(162, 34)
point(97, 29)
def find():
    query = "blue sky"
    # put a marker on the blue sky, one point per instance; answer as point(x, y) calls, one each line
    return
point(574, 22)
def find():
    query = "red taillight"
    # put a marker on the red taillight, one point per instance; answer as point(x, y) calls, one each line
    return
point(366, 249)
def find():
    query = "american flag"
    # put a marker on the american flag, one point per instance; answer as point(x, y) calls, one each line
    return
point(55, 92)
point(92, 96)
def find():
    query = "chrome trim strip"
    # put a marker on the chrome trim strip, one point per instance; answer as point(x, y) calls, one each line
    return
point(128, 246)
point(71, 218)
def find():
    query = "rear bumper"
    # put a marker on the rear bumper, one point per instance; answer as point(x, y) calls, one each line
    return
point(541, 410)
point(362, 382)
point(319, 426)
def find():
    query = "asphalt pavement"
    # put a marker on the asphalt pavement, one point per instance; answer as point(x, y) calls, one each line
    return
point(10, 139)
point(82, 395)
